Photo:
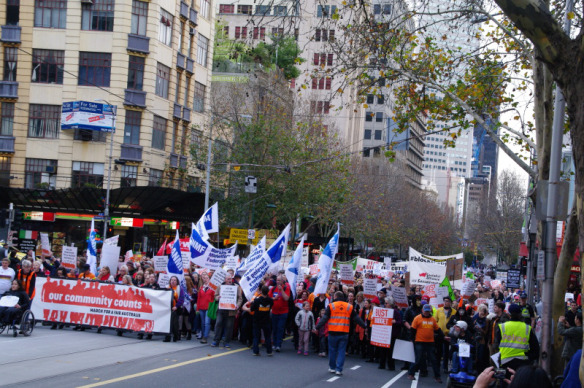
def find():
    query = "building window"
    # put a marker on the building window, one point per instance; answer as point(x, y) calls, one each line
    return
point(244, 9)
point(205, 8)
point(10, 63)
point(378, 117)
point(387, 9)
point(199, 100)
point(94, 69)
point(6, 118)
point(323, 35)
point(370, 98)
point(136, 72)
point(129, 176)
point(262, 10)
point(226, 8)
point(158, 133)
point(325, 11)
point(366, 152)
point(381, 99)
point(139, 17)
point(280, 10)
point(277, 32)
point(377, 9)
point(44, 121)
point(40, 173)
point(368, 116)
point(50, 13)
point(165, 27)
point(162, 80)
point(87, 173)
point(196, 138)
point(378, 134)
point(320, 107)
point(155, 177)
point(47, 66)
point(226, 32)
point(259, 33)
point(323, 83)
point(89, 135)
point(202, 50)
point(97, 15)
point(367, 134)
point(132, 127)
point(5, 171)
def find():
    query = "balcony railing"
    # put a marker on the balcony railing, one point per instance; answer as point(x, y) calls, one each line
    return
point(180, 60)
point(135, 98)
point(184, 10)
point(176, 112)
point(190, 65)
point(193, 17)
point(8, 89)
point(186, 116)
point(139, 43)
point(173, 160)
point(11, 34)
point(131, 152)
point(7, 144)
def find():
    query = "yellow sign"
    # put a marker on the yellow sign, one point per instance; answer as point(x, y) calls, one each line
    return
point(240, 235)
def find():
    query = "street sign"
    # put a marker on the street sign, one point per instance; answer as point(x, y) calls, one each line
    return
point(251, 184)
point(540, 265)
point(251, 234)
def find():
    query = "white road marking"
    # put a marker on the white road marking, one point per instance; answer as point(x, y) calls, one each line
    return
point(396, 378)
point(356, 367)
point(415, 382)
point(333, 379)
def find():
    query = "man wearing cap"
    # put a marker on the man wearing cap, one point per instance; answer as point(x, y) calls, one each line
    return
point(442, 317)
point(516, 341)
point(425, 326)
point(527, 311)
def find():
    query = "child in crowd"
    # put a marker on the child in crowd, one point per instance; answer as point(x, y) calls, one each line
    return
point(305, 322)
point(322, 335)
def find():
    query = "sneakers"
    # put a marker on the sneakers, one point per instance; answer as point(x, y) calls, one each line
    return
point(227, 346)
point(332, 370)
point(256, 354)
point(411, 377)
point(339, 373)
point(270, 354)
point(300, 352)
point(306, 353)
point(322, 354)
point(213, 344)
point(277, 349)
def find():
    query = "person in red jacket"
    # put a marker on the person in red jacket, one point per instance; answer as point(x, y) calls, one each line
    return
point(280, 294)
point(205, 296)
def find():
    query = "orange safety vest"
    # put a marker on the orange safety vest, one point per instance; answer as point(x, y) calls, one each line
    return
point(26, 281)
point(340, 319)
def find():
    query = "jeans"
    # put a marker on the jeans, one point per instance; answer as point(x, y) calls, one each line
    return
point(456, 364)
point(205, 323)
point(322, 344)
point(258, 327)
point(278, 325)
point(224, 321)
point(337, 347)
point(427, 349)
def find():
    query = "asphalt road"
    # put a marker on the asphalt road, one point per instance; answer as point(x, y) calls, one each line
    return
point(67, 358)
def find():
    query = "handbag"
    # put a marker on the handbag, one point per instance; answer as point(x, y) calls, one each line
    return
point(212, 310)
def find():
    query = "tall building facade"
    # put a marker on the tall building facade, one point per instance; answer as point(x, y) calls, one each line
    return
point(151, 59)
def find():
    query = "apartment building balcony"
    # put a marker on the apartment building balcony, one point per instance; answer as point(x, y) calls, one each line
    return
point(186, 114)
point(190, 65)
point(10, 34)
point(193, 17)
point(138, 43)
point(131, 152)
point(180, 61)
point(9, 89)
point(184, 10)
point(173, 160)
point(7, 144)
point(135, 98)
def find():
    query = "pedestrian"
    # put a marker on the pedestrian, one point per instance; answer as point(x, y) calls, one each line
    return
point(27, 278)
point(280, 294)
point(322, 335)
point(338, 315)
point(261, 307)
point(305, 322)
point(205, 296)
point(176, 302)
point(442, 317)
point(425, 326)
point(7, 275)
point(226, 317)
point(572, 336)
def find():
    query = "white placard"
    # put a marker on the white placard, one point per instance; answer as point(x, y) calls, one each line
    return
point(540, 265)
point(305, 253)
point(387, 261)
point(186, 258)
point(163, 280)
point(112, 240)
point(381, 323)
point(491, 305)
point(370, 288)
point(313, 268)
point(399, 296)
point(404, 350)
point(110, 257)
point(217, 279)
point(160, 263)
point(45, 245)
point(232, 262)
point(69, 257)
point(468, 289)
point(9, 301)
point(463, 349)
point(568, 296)
point(441, 293)
point(228, 297)
point(346, 274)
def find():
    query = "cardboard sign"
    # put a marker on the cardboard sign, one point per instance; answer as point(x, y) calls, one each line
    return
point(163, 280)
point(46, 246)
point(468, 289)
point(305, 253)
point(217, 279)
point(399, 296)
point(463, 349)
point(513, 278)
point(160, 263)
point(232, 262)
point(110, 257)
point(568, 296)
point(69, 257)
point(381, 323)
point(404, 350)
point(495, 284)
point(370, 288)
point(346, 274)
point(228, 297)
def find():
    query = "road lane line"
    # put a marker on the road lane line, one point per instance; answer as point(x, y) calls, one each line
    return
point(333, 379)
point(396, 378)
point(162, 369)
point(356, 367)
point(415, 382)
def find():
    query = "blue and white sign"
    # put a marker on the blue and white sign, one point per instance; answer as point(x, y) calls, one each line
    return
point(88, 115)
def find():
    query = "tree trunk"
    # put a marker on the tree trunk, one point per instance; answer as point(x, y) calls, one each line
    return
point(560, 280)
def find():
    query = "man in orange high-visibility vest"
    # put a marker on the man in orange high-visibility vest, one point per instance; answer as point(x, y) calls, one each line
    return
point(338, 315)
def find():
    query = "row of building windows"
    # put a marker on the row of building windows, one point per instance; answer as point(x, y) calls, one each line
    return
point(377, 115)
point(264, 10)
point(434, 167)
point(377, 134)
point(258, 33)
point(380, 99)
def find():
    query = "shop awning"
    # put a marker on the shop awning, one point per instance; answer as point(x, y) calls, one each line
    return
point(139, 202)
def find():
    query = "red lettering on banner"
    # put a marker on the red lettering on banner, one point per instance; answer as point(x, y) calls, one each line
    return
point(77, 317)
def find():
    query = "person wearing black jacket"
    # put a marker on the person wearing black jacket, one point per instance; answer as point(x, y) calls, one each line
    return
point(7, 314)
point(261, 307)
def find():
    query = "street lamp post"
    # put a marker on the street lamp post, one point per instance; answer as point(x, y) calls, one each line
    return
point(109, 169)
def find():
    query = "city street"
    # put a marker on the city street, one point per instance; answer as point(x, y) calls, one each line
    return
point(67, 358)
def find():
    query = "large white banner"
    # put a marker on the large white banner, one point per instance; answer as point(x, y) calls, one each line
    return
point(102, 304)
point(426, 273)
point(416, 256)
point(205, 255)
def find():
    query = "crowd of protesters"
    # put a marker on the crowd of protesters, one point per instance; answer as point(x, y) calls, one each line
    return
point(273, 313)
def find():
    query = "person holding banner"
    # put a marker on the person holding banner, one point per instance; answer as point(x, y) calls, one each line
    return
point(176, 301)
point(338, 315)
point(226, 316)
point(386, 354)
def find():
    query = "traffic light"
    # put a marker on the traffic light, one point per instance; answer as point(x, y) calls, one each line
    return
point(17, 221)
point(523, 264)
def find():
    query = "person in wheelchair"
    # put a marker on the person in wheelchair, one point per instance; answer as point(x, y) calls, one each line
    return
point(460, 333)
point(7, 313)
